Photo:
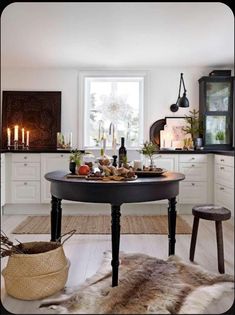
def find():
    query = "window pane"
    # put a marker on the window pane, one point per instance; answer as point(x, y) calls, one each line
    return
point(217, 130)
point(217, 98)
point(113, 102)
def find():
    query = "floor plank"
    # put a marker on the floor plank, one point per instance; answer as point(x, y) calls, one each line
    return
point(85, 253)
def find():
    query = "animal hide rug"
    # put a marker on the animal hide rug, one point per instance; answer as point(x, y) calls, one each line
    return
point(147, 285)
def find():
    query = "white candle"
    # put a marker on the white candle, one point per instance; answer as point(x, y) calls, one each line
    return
point(162, 138)
point(22, 135)
point(16, 133)
point(27, 138)
point(8, 136)
point(114, 145)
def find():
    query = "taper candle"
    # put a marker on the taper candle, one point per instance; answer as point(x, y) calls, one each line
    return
point(22, 135)
point(16, 133)
point(27, 138)
point(8, 136)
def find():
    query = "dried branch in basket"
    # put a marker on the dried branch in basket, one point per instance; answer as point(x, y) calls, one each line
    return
point(7, 248)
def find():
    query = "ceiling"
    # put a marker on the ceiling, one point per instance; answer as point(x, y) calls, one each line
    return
point(129, 34)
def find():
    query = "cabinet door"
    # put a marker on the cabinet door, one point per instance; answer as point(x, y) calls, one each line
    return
point(49, 163)
point(3, 199)
point(25, 171)
point(25, 191)
point(194, 171)
point(224, 196)
point(168, 162)
point(224, 175)
point(193, 192)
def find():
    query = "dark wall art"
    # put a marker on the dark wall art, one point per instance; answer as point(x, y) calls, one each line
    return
point(38, 112)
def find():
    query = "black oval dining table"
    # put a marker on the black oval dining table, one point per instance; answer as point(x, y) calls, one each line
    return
point(115, 193)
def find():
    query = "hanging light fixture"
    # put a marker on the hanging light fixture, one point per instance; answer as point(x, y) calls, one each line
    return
point(181, 101)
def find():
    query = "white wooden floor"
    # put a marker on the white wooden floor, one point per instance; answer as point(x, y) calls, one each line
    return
point(85, 253)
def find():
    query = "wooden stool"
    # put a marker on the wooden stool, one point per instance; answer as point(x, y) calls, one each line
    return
point(213, 213)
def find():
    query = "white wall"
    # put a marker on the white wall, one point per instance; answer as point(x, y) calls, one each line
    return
point(163, 84)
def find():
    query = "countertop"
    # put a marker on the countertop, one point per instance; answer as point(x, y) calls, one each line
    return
point(37, 150)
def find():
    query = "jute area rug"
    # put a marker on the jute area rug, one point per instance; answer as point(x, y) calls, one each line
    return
point(102, 225)
point(147, 285)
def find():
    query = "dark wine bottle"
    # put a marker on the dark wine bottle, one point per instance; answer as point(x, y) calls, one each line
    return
point(122, 153)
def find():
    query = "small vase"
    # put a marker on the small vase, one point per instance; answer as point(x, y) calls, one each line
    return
point(72, 167)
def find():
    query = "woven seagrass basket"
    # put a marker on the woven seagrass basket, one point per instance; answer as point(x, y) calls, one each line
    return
point(39, 272)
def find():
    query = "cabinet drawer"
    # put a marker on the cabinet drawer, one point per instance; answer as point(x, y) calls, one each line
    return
point(224, 160)
point(27, 157)
point(193, 192)
point(26, 171)
point(192, 158)
point(224, 196)
point(224, 175)
point(25, 191)
point(194, 171)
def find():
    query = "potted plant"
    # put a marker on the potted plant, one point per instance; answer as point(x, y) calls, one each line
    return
point(75, 159)
point(220, 136)
point(148, 150)
point(194, 127)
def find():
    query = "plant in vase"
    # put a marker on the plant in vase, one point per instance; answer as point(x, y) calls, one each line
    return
point(76, 159)
point(148, 150)
point(194, 126)
point(220, 136)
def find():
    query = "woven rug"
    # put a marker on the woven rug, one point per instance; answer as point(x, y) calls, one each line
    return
point(102, 225)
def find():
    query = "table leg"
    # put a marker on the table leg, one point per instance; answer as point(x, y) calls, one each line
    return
point(56, 213)
point(115, 242)
point(171, 225)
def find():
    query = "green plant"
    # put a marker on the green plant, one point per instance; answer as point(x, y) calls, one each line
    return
point(195, 124)
point(149, 149)
point(219, 135)
point(76, 156)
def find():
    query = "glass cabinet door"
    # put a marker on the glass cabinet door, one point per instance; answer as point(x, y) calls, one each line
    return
point(217, 96)
point(217, 130)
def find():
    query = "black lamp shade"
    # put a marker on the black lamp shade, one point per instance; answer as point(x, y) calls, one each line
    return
point(183, 101)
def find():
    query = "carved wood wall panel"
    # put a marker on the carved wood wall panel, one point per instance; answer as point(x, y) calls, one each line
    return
point(36, 111)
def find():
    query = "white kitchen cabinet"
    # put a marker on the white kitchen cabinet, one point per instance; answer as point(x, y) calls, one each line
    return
point(25, 192)
point(3, 180)
point(194, 189)
point(224, 181)
point(25, 171)
point(51, 162)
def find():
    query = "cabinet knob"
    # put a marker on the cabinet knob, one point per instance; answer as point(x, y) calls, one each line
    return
point(62, 155)
point(193, 165)
point(25, 183)
point(25, 164)
point(25, 157)
point(193, 158)
point(221, 188)
point(193, 184)
point(222, 160)
point(222, 168)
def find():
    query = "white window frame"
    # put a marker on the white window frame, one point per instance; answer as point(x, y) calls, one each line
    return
point(109, 73)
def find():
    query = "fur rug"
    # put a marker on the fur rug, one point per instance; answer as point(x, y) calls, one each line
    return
point(147, 285)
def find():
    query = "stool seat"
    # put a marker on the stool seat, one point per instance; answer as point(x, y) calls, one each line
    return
point(211, 212)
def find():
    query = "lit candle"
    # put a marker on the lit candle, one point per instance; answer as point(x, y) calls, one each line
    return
point(22, 135)
point(16, 133)
point(27, 138)
point(8, 136)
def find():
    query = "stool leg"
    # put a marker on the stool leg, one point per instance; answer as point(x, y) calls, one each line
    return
point(194, 238)
point(220, 247)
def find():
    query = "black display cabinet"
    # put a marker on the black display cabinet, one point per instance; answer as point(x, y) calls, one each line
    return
point(216, 99)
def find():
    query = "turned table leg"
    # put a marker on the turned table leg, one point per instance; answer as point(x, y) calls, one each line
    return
point(171, 225)
point(56, 213)
point(115, 242)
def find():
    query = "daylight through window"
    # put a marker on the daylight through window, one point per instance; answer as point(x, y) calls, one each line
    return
point(113, 109)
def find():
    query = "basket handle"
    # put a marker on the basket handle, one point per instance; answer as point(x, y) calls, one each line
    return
point(70, 233)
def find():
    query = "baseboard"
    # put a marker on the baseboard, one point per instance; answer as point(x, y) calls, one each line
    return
point(94, 209)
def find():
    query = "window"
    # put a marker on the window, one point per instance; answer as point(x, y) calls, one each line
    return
point(113, 108)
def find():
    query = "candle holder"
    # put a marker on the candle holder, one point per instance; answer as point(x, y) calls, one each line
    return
point(16, 145)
